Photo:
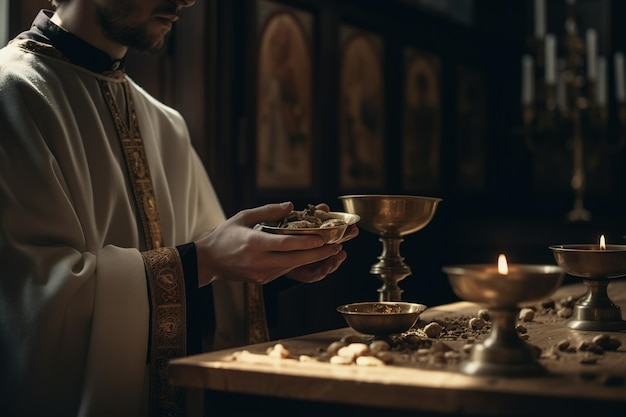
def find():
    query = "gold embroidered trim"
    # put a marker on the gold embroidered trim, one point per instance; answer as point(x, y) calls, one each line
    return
point(39, 47)
point(169, 328)
point(136, 164)
point(256, 321)
point(163, 265)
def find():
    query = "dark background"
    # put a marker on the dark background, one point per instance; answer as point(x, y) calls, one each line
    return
point(208, 74)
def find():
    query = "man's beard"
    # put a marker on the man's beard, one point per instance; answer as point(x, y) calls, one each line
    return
point(135, 37)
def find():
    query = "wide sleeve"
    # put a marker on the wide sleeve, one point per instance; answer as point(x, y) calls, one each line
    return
point(73, 297)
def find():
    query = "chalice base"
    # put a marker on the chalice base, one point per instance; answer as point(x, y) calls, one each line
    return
point(514, 361)
point(606, 318)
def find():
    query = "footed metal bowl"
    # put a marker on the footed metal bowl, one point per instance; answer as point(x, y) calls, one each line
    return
point(589, 261)
point(381, 318)
point(329, 234)
point(391, 215)
point(523, 284)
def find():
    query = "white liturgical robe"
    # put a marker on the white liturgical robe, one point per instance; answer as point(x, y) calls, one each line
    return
point(74, 306)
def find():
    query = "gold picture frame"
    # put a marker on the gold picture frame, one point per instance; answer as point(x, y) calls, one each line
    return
point(284, 97)
point(361, 110)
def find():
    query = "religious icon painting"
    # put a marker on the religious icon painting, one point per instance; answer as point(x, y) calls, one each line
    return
point(471, 128)
point(361, 110)
point(421, 129)
point(284, 83)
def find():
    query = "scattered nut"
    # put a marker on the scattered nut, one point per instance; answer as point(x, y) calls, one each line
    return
point(527, 314)
point(564, 312)
point(607, 342)
point(563, 345)
point(378, 346)
point(278, 351)
point(433, 330)
point(340, 360)
point(476, 323)
point(369, 361)
point(484, 314)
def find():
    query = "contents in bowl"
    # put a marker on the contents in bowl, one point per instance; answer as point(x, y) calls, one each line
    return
point(309, 218)
point(386, 308)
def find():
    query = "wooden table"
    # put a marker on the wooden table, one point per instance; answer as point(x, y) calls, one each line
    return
point(260, 385)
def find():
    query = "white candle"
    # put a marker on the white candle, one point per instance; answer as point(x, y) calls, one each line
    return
point(601, 84)
point(550, 59)
point(540, 18)
point(528, 80)
point(592, 46)
point(620, 89)
point(561, 93)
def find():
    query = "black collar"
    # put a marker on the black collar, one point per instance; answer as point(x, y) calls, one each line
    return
point(76, 50)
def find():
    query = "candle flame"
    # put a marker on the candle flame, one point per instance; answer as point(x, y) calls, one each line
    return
point(503, 267)
point(602, 242)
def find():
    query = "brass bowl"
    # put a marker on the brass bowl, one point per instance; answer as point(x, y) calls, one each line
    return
point(329, 234)
point(381, 318)
point(482, 283)
point(589, 261)
point(391, 215)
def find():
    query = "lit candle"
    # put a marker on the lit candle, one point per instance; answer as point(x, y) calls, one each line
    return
point(540, 18)
point(592, 45)
point(602, 242)
point(550, 59)
point(601, 91)
point(620, 88)
point(503, 266)
point(528, 80)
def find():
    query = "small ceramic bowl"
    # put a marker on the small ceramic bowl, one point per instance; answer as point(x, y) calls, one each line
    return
point(329, 234)
point(381, 318)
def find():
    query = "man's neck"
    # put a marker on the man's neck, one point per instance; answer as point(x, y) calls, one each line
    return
point(80, 22)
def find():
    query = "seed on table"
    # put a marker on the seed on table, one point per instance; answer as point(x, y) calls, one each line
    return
point(369, 361)
point(340, 360)
point(563, 345)
point(476, 323)
point(564, 312)
point(527, 314)
point(433, 330)
point(378, 346)
point(484, 314)
point(606, 342)
point(278, 351)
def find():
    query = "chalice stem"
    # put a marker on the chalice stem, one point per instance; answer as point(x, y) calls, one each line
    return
point(391, 269)
point(503, 333)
